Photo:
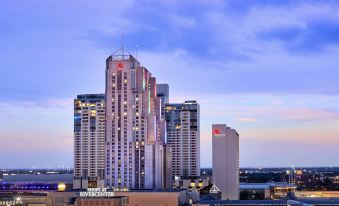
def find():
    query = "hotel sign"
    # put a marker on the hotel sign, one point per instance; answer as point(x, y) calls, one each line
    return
point(119, 65)
point(97, 192)
point(217, 133)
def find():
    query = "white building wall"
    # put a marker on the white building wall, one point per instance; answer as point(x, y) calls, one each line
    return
point(225, 160)
point(131, 119)
point(89, 140)
point(184, 140)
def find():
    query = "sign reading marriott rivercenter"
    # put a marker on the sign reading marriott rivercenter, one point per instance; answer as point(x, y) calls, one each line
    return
point(97, 192)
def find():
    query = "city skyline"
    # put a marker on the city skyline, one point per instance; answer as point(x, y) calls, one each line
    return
point(273, 79)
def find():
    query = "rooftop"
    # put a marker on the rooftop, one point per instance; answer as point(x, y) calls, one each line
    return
point(266, 185)
point(119, 57)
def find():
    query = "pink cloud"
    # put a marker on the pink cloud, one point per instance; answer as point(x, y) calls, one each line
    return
point(307, 114)
point(246, 119)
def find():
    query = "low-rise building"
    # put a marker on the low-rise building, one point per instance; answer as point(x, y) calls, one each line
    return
point(171, 197)
point(112, 201)
point(269, 190)
point(191, 184)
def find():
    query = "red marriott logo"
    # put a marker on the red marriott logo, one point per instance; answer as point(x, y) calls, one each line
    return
point(217, 133)
point(120, 65)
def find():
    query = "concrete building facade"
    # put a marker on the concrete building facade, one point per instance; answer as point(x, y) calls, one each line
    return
point(163, 95)
point(134, 150)
point(183, 135)
point(89, 141)
point(225, 160)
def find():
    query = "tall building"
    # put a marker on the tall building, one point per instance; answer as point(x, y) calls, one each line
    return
point(134, 150)
point(163, 98)
point(183, 135)
point(89, 141)
point(225, 160)
point(163, 95)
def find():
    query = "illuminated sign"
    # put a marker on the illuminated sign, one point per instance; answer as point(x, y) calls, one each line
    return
point(96, 192)
point(120, 65)
point(217, 133)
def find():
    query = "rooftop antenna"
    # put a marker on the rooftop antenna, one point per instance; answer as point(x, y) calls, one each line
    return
point(122, 43)
point(121, 49)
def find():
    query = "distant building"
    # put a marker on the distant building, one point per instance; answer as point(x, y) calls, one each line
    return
point(163, 99)
point(21, 179)
point(89, 141)
point(183, 134)
point(268, 190)
point(225, 160)
point(163, 95)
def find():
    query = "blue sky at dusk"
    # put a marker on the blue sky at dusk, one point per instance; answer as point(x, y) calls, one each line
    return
point(269, 69)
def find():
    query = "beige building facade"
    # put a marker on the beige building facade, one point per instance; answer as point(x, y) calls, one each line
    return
point(89, 141)
point(183, 135)
point(134, 150)
point(225, 160)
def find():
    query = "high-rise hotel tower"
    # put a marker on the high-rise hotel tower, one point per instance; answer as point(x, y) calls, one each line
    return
point(183, 135)
point(134, 151)
point(225, 160)
point(163, 100)
point(89, 141)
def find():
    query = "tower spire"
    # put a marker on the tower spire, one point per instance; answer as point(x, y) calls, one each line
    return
point(122, 43)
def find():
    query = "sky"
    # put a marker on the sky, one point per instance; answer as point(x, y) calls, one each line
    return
point(267, 68)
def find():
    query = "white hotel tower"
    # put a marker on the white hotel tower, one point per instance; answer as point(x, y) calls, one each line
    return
point(183, 135)
point(134, 151)
point(89, 141)
point(225, 160)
